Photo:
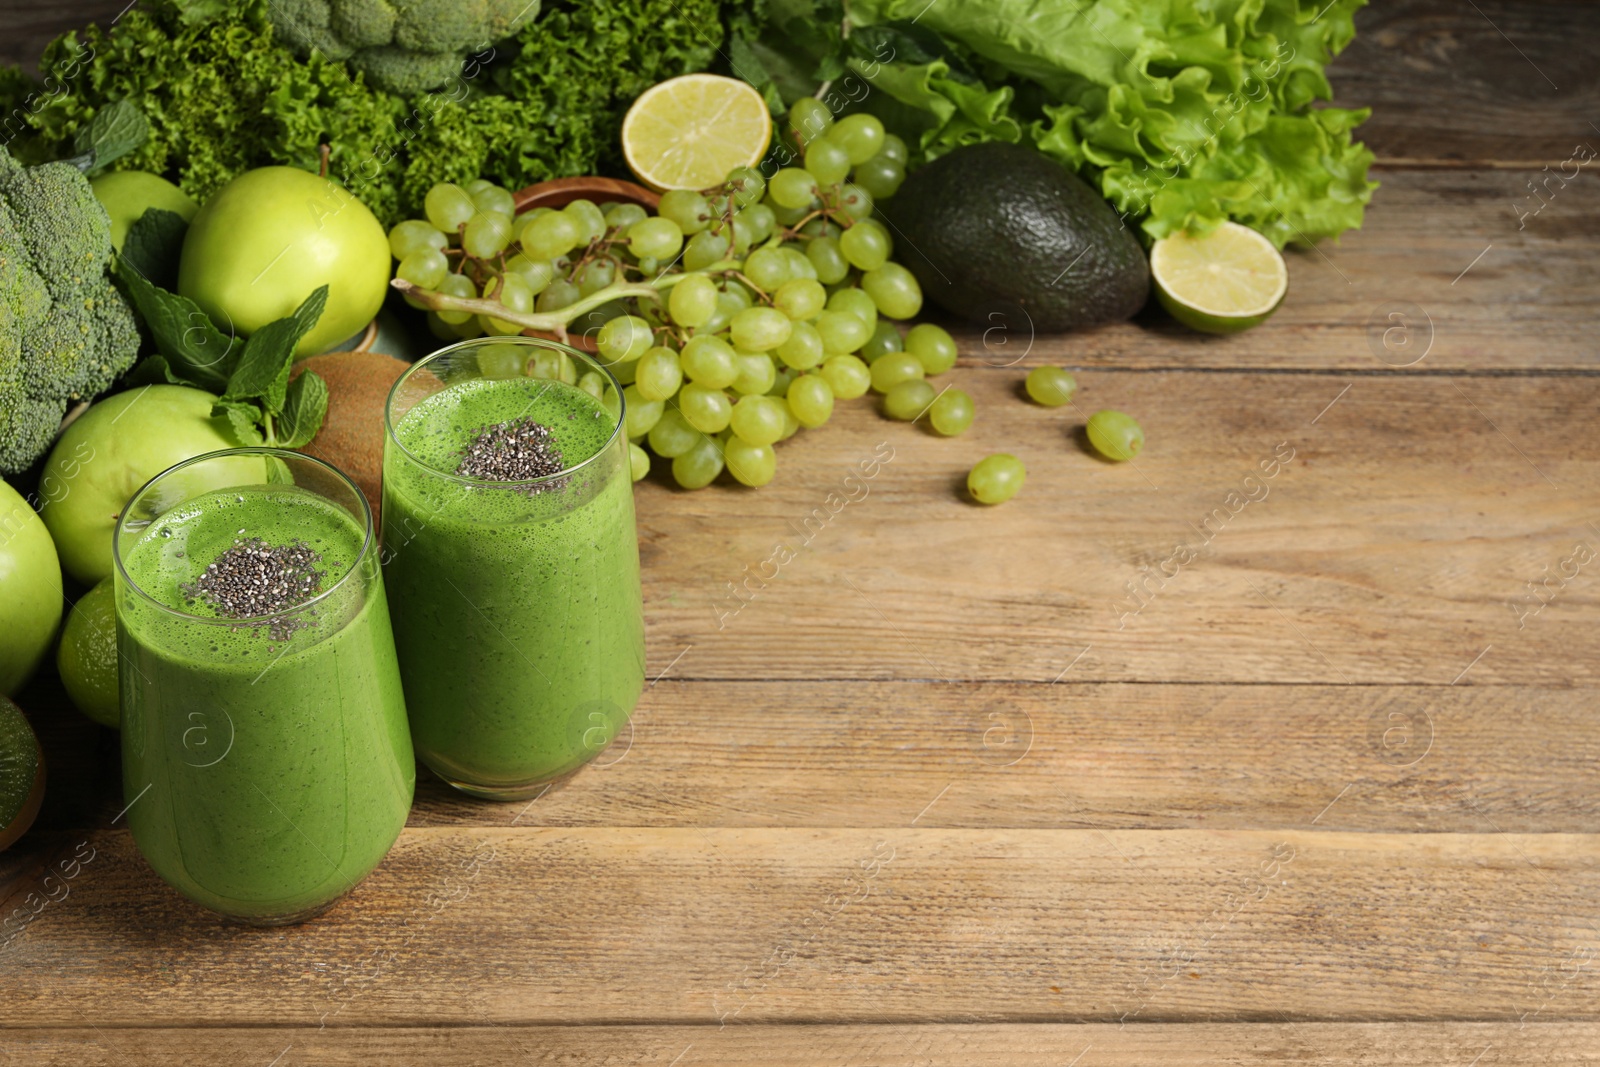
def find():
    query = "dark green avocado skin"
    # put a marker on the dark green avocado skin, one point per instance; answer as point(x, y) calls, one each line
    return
point(1002, 235)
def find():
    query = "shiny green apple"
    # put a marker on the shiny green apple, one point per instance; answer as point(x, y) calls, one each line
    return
point(111, 450)
point(270, 237)
point(30, 590)
point(128, 194)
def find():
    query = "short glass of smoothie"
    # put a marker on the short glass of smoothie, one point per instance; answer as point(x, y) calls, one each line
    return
point(266, 759)
point(512, 561)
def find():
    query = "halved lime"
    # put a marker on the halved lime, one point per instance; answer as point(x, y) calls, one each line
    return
point(21, 774)
point(689, 132)
point(1220, 282)
point(87, 655)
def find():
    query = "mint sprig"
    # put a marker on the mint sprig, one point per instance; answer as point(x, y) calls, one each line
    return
point(250, 376)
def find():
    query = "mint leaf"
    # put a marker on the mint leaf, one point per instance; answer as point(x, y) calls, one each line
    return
point(153, 245)
point(115, 130)
point(303, 411)
point(243, 417)
point(153, 370)
point(263, 369)
point(196, 352)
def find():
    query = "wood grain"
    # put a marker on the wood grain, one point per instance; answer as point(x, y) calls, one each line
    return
point(899, 924)
point(1443, 275)
point(921, 1045)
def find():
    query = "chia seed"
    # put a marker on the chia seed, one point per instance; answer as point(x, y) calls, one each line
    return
point(254, 579)
point(519, 450)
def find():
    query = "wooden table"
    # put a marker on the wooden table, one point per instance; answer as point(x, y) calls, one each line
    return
point(942, 790)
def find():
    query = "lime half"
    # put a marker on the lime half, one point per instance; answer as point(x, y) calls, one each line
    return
point(21, 774)
point(1221, 282)
point(87, 655)
point(689, 132)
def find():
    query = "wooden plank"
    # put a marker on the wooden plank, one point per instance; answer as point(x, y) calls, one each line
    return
point(894, 925)
point(1395, 546)
point(1445, 274)
point(1490, 80)
point(1002, 1045)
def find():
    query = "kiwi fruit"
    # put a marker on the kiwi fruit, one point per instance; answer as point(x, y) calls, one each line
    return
point(21, 774)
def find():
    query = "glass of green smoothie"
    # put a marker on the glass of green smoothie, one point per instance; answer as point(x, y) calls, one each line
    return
point(266, 760)
point(512, 561)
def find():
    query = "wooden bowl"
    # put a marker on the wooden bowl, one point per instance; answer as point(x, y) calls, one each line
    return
point(558, 193)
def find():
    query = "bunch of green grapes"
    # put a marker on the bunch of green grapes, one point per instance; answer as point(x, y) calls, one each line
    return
point(734, 317)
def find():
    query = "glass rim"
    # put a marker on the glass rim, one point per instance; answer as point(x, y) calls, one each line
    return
point(246, 621)
point(483, 342)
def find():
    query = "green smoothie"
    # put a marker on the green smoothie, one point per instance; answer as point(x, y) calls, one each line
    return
point(517, 609)
point(267, 764)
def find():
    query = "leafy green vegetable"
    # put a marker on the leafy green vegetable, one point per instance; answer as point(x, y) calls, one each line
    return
point(224, 95)
point(1186, 112)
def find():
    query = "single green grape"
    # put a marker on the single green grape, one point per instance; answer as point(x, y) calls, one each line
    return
point(658, 374)
point(709, 361)
point(491, 197)
point(768, 268)
point(747, 185)
point(996, 478)
point(889, 371)
point(800, 268)
point(908, 400)
point(658, 237)
point(757, 372)
point(698, 467)
point(757, 419)
point(951, 413)
point(672, 435)
point(810, 117)
point(759, 329)
point(705, 408)
point(842, 331)
point(799, 299)
point(781, 382)
point(501, 361)
point(933, 346)
point(593, 383)
point(692, 301)
point(622, 217)
point(827, 162)
point(894, 148)
point(596, 275)
point(1051, 386)
point(855, 302)
point(739, 296)
point(486, 235)
point(557, 295)
point(750, 464)
point(880, 176)
point(685, 207)
point(791, 425)
point(704, 249)
point(414, 235)
point(515, 295)
point(743, 233)
point(821, 227)
point(803, 349)
point(466, 331)
point(458, 285)
point(894, 290)
point(828, 260)
point(624, 372)
point(792, 187)
point(588, 217)
point(448, 207)
point(639, 413)
point(624, 339)
point(552, 365)
point(760, 219)
point(866, 245)
point(860, 135)
point(638, 462)
point(478, 185)
point(811, 400)
point(538, 273)
point(425, 268)
point(855, 201)
point(847, 376)
point(1115, 435)
point(885, 339)
point(550, 235)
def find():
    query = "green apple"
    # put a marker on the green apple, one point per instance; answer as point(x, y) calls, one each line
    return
point(116, 446)
point(30, 590)
point(270, 237)
point(127, 194)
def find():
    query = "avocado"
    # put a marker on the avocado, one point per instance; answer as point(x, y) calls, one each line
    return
point(1000, 234)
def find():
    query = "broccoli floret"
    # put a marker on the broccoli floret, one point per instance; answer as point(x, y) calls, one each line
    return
point(404, 46)
point(65, 331)
point(64, 229)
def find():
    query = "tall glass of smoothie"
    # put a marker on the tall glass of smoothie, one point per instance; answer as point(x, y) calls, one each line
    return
point(266, 761)
point(511, 555)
